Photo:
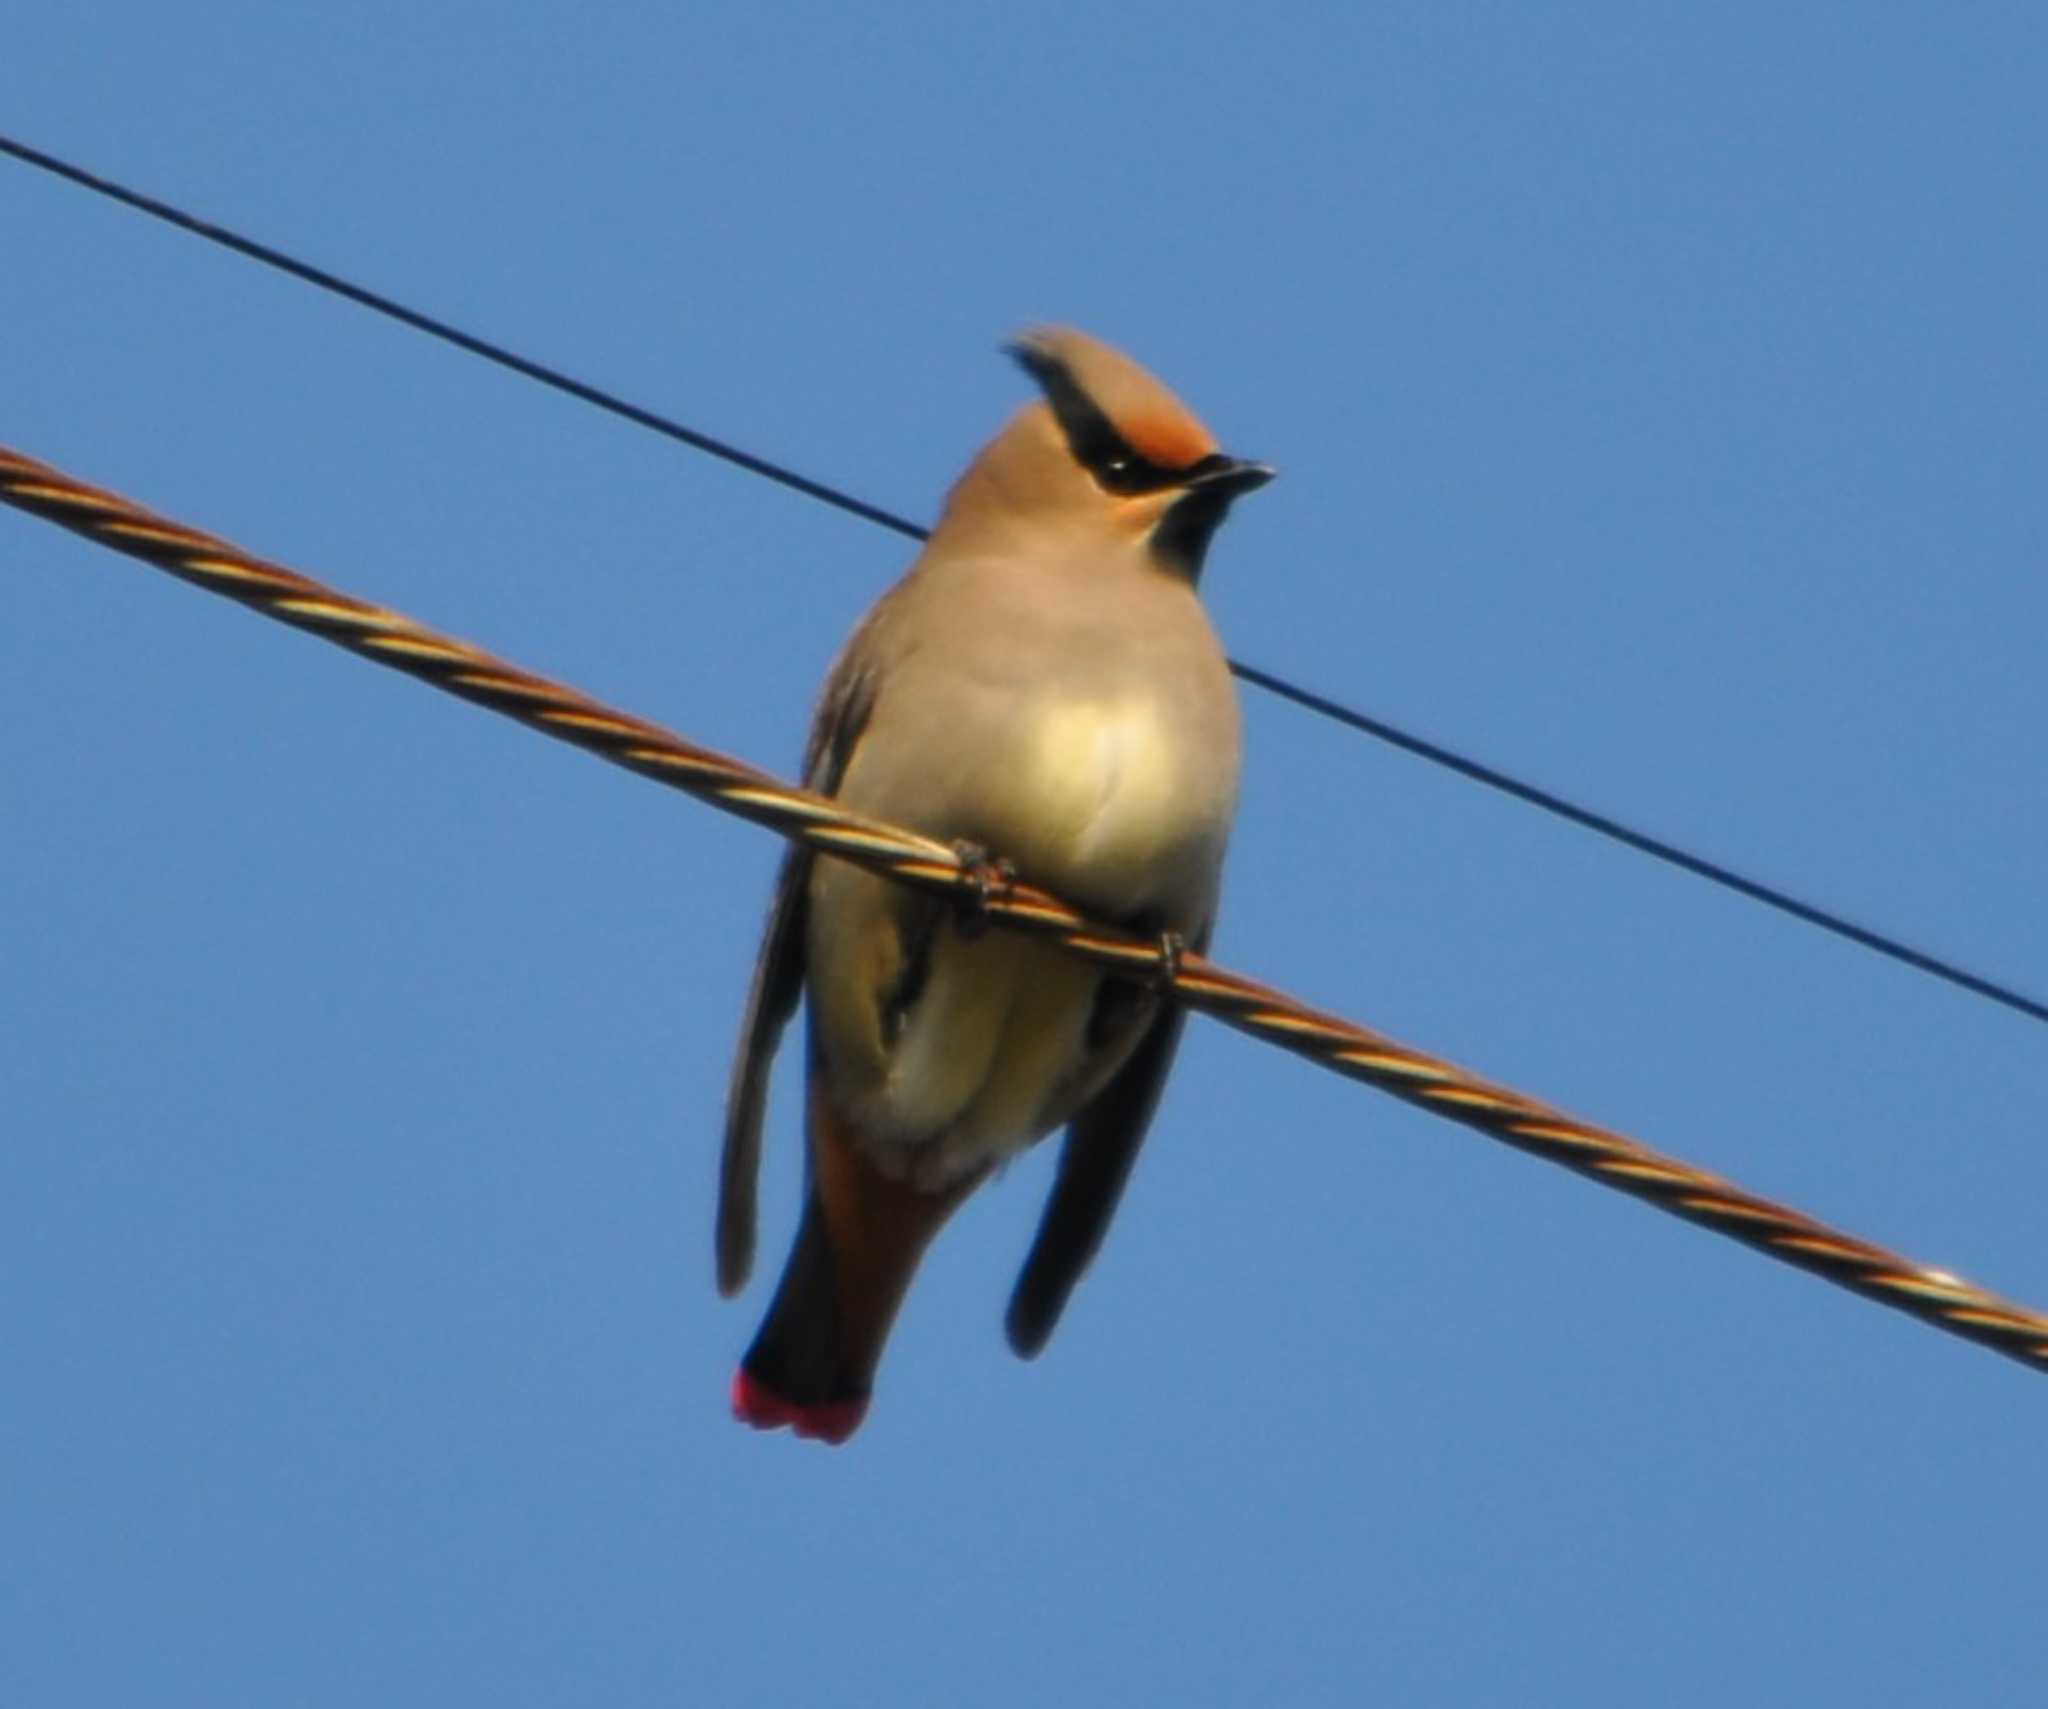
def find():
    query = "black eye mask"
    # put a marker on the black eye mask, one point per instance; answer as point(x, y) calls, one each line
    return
point(1093, 438)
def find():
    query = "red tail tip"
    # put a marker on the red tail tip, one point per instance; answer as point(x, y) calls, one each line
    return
point(753, 1402)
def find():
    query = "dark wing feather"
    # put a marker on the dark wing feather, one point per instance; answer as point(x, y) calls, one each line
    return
point(1101, 1145)
point(779, 972)
point(771, 1000)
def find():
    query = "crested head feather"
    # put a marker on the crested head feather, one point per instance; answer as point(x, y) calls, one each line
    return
point(1078, 370)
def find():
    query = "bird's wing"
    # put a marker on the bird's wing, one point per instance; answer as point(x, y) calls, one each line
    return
point(779, 971)
point(1101, 1145)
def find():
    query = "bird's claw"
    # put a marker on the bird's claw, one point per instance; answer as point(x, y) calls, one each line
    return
point(1173, 948)
point(984, 878)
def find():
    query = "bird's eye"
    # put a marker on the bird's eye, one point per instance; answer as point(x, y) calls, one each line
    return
point(1124, 472)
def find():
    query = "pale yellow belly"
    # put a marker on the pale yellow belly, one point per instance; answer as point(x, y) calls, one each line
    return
point(993, 1053)
point(993, 1056)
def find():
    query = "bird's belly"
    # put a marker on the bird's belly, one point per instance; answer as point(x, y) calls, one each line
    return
point(1093, 801)
point(993, 1055)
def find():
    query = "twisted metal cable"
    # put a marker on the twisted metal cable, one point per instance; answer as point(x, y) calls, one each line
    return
point(1933, 1296)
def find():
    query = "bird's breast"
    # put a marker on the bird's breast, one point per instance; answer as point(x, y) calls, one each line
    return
point(1110, 798)
point(1079, 722)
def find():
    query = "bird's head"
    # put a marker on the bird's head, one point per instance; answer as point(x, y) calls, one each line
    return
point(1108, 451)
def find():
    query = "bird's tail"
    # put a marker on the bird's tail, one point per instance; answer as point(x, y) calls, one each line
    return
point(812, 1365)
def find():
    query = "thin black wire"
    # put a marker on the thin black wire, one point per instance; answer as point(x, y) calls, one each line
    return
point(455, 335)
point(1434, 752)
point(1642, 841)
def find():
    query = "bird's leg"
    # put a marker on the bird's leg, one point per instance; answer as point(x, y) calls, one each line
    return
point(983, 878)
point(1172, 948)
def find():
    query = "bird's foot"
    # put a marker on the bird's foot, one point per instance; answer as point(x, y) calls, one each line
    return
point(1172, 949)
point(984, 878)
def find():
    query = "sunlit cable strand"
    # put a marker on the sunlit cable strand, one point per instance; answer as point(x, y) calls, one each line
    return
point(1933, 1296)
point(1434, 752)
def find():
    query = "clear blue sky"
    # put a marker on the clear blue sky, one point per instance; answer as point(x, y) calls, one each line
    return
point(1659, 394)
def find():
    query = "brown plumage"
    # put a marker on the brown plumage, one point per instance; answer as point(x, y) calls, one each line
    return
point(1041, 685)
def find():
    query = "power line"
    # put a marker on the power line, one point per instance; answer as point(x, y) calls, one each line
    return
point(454, 335)
point(1935, 1297)
point(1434, 752)
point(1644, 843)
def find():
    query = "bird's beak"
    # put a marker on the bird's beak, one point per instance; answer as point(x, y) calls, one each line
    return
point(1230, 477)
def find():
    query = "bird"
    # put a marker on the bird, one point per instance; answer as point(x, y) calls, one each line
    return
point(1043, 691)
